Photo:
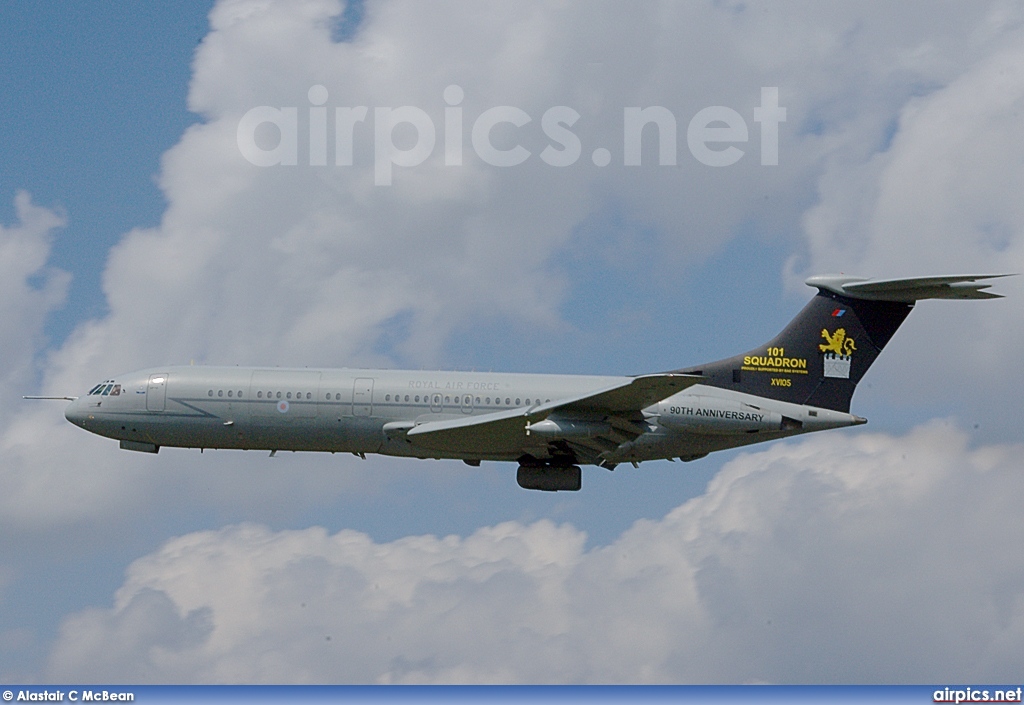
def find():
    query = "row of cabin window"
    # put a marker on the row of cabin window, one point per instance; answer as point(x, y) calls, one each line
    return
point(287, 395)
point(259, 395)
point(459, 400)
point(337, 397)
point(231, 393)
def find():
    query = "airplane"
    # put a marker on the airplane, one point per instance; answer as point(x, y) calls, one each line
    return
point(799, 382)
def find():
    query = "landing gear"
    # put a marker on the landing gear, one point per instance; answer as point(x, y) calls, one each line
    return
point(550, 478)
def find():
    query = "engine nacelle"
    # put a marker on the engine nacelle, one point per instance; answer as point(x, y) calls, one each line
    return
point(700, 414)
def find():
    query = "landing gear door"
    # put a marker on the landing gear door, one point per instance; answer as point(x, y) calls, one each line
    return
point(362, 397)
point(156, 392)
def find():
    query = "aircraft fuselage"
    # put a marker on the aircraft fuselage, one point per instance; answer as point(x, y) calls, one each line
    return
point(801, 380)
point(370, 411)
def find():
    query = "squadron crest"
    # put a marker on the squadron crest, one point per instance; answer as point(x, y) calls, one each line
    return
point(838, 349)
point(837, 343)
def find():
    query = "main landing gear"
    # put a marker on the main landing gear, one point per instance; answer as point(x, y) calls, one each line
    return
point(550, 478)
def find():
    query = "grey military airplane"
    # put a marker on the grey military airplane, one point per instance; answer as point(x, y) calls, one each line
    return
point(800, 381)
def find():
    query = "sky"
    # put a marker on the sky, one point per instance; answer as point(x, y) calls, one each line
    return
point(169, 194)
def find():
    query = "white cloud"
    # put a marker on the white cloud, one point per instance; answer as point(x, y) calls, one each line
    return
point(942, 198)
point(29, 290)
point(315, 265)
point(901, 118)
point(852, 558)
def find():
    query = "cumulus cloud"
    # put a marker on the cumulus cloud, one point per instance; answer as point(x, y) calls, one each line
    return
point(315, 265)
point(941, 197)
point(310, 264)
point(29, 290)
point(856, 558)
point(900, 155)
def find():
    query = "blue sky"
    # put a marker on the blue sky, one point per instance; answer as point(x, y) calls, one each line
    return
point(92, 96)
point(146, 238)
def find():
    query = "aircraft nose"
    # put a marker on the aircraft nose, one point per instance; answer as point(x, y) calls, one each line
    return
point(75, 413)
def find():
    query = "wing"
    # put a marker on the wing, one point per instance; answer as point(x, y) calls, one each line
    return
point(618, 406)
point(632, 395)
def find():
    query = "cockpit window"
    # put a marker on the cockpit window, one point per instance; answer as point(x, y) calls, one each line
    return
point(104, 388)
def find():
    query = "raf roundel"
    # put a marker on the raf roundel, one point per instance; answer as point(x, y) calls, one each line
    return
point(282, 406)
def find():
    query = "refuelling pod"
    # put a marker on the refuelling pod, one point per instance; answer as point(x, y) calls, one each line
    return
point(700, 414)
point(549, 478)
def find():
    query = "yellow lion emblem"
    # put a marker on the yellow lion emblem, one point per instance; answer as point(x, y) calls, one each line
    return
point(837, 343)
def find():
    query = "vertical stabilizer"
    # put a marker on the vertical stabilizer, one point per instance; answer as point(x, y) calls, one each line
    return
point(825, 351)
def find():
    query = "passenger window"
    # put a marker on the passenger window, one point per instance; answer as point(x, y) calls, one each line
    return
point(210, 393)
point(239, 394)
point(289, 395)
point(508, 402)
point(230, 393)
point(309, 395)
point(220, 392)
point(417, 398)
point(387, 397)
point(279, 395)
point(407, 397)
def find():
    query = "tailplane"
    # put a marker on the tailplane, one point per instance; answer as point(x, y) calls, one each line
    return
point(825, 351)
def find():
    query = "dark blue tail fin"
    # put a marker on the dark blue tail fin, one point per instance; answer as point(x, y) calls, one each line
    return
point(825, 351)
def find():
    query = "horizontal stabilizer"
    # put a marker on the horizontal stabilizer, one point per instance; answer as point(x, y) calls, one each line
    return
point(908, 290)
